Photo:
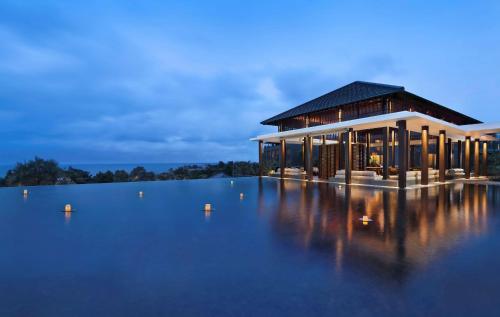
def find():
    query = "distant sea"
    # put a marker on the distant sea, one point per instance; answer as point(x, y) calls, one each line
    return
point(95, 168)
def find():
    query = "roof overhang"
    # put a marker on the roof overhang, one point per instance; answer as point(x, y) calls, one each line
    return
point(414, 122)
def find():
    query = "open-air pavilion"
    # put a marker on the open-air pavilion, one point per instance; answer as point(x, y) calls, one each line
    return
point(379, 134)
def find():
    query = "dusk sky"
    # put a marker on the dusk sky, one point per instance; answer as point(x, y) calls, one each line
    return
point(140, 81)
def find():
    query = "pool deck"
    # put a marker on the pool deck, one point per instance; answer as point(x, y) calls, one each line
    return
point(473, 180)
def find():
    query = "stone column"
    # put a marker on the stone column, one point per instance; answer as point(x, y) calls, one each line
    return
point(425, 156)
point(442, 156)
point(368, 140)
point(403, 153)
point(393, 148)
point(385, 152)
point(348, 156)
point(309, 157)
point(467, 157)
point(449, 154)
point(341, 151)
point(408, 153)
point(322, 159)
point(304, 152)
point(306, 155)
point(459, 154)
point(436, 164)
point(282, 158)
point(485, 159)
point(336, 158)
point(261, 163)
point(476, 158)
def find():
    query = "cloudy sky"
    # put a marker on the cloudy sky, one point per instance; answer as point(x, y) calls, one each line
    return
point(140, 81)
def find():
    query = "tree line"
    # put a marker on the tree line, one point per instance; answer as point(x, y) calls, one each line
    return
point(48, 172)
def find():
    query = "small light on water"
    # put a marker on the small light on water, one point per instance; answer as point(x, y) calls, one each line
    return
point(208, 207)
point(67, 208)
point(365, 220)
point(241, 195)
point(25, 192)
point(232, 183)
point(141, 194)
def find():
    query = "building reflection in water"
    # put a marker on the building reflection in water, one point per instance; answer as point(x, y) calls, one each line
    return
point(409, 228)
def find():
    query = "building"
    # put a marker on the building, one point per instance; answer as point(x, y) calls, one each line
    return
point(369, 133)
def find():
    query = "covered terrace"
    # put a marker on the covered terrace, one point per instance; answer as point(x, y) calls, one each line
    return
point(395, 149)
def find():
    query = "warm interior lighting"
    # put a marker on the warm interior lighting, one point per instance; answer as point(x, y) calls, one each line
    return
point(67, 208)
point(208, 207)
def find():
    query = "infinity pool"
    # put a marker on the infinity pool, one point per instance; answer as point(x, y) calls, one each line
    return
point(285, 249)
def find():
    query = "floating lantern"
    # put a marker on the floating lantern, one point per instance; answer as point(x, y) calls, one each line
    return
point(365, 220)
point(67, 208)
point(232, 183)
point(141, 194)
point(208, 207)
point(241, 195)
point(25, 192)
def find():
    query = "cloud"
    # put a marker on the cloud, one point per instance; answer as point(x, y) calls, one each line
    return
point(268, 90)
point(18, 57)
point(83, 82)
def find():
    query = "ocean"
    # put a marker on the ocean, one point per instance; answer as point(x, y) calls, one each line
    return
point(95, 168)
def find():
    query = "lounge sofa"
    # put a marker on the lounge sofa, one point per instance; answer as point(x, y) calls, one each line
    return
point(358, 175)
point(289, 172)
point(416, 176)
point(455, 173)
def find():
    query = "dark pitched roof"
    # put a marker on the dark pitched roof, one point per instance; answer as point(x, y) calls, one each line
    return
point(356, 91)
point(466, 118)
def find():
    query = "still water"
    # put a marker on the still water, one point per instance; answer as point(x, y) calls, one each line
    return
point(285, 249)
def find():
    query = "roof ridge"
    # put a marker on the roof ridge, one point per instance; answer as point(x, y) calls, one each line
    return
point(378, 84)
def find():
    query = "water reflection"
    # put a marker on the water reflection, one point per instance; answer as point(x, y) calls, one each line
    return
point(409, 228)
point(67, 217)
point(207, 215)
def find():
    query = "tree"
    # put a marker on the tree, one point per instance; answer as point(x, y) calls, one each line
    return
point(139, 173)
point(106, 177)
point(120, 176)
point(78, 176)
point(48, 172)
point(35, 172)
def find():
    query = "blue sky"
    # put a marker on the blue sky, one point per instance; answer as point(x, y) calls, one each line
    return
point(140, 81)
